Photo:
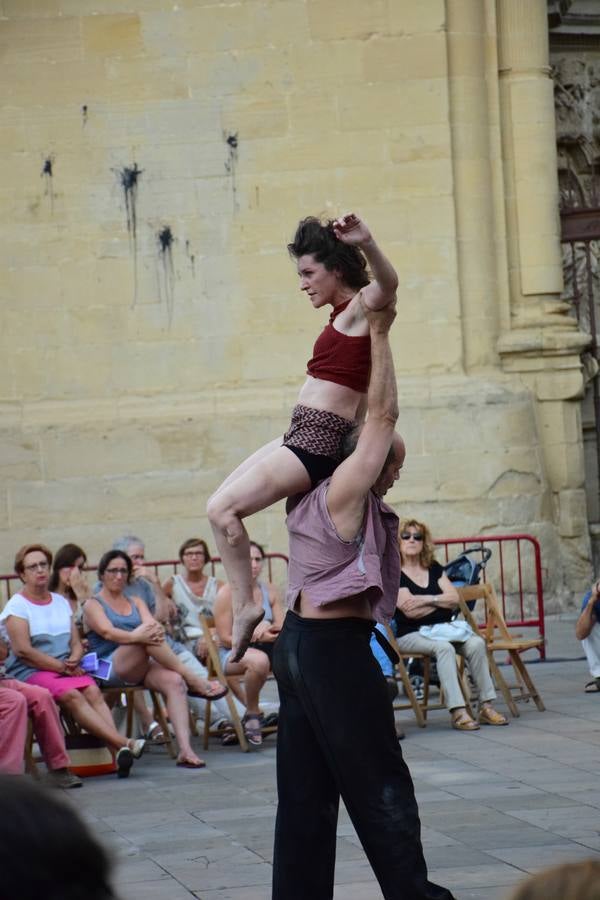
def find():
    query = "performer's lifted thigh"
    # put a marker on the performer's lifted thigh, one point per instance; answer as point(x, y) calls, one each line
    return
point(332, 266)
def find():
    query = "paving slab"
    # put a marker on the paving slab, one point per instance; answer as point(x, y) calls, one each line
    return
point(495, 805)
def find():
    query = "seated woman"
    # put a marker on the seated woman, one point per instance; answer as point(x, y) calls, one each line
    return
point(428, 597)
point(265, 633)
point(46, 651)
point(122, 630)
point(68, 580)
point(193, 592)
point(255, 664)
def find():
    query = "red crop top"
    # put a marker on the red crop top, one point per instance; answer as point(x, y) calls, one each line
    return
point(341, 358)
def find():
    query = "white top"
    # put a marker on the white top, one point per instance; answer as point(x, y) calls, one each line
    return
point(190, 605)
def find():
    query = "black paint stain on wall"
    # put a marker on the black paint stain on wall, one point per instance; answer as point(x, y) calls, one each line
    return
point(192, 258)
point(166, 270)
point(47, 174)
point(231, 162)
point(129, 177)
point(84, 113)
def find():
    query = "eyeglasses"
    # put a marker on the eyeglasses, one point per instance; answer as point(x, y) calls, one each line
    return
point(116, 572)
point(194, 553)
point(414, 536)
point(42, 566)
point(136, 556)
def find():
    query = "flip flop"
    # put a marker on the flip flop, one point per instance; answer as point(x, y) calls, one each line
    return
point(189, 764)
point(593, 687)
point(155, 734)
point(215, 693)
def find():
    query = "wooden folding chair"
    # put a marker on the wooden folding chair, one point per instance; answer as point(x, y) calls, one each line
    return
point(30, 761)
point(215, 670)
point(159, 713)
point(497, 637)
point(421, 709)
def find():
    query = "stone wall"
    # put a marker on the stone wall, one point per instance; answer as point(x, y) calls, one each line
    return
point(155, 165)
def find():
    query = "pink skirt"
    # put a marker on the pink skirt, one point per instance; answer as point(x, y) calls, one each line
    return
point(59, 684)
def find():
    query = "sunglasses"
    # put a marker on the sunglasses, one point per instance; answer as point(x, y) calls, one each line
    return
point(407, 536)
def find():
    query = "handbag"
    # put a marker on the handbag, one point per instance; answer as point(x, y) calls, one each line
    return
point(457, 631)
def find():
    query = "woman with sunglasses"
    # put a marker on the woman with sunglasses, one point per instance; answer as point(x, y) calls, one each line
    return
point(46, 651)
point(122, 630)
point(428, 597)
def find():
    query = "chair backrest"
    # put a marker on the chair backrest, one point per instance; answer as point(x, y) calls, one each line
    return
point(494, 618)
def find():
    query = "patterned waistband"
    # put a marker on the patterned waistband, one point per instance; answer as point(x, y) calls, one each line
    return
point(317, 431)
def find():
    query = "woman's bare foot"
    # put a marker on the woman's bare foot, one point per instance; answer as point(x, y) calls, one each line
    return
point(189, 760)
point(245, 621)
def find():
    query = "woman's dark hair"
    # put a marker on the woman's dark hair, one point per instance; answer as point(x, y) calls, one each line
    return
point(319, 240)
point(67, 555)
point(260, 549)
point(46, 849)
point(195, 542)
point(108, 558)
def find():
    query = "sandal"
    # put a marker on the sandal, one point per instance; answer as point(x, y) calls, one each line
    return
point(253, 723)
point(464, 722)
point(155, 734)
point(215, 690)
point(593, 686)
point(229, 738)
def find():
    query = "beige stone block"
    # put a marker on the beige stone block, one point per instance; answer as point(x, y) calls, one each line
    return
point(31, 9)
point(53, 374)
point(304, 153)
point(117, 35)
point(20, 455)
point(405, 57)
point(441, 353)
point(312, 111)
point(32, 287)
point(336, 20)
point(425, 142)
point(142, 79)
point(315, 63)
point(412, 103)
point(414, 18)
point(223, 28)
point(572, 520)
point(87, 452)
point(62, 83)
point(45, 41)
point(249, 117)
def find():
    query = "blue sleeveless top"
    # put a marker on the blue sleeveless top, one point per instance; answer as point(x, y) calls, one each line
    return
point(265, 601)
point(102, 646)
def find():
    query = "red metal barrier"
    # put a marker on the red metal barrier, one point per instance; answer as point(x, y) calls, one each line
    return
point(276, 569)
point(515, 570)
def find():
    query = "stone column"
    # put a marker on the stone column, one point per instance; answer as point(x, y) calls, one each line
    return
point(541, 342)
point(475, 154)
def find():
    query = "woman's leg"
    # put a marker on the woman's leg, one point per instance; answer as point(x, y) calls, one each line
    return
point(85, 707)
point(255, 667)
point(475, 654)
point(446, 665)
point(275, 476)
point(172, 686)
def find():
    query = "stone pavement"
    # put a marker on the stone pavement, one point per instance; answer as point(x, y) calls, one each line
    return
point(495, 804)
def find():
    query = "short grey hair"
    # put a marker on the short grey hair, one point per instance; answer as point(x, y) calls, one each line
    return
point(124, 543)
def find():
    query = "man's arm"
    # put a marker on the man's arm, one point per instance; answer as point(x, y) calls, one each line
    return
point(382, 289)
point(355, 476)
point(587, 619)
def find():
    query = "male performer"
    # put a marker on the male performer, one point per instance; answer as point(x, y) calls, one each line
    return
point(336, 725)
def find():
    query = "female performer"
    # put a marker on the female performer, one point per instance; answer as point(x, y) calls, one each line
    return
point(332, 266)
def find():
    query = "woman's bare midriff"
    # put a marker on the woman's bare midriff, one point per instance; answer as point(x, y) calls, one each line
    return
point(336, 398)
point(357, 606)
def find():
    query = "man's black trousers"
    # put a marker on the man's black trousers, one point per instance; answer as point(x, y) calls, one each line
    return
point(336, 736)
